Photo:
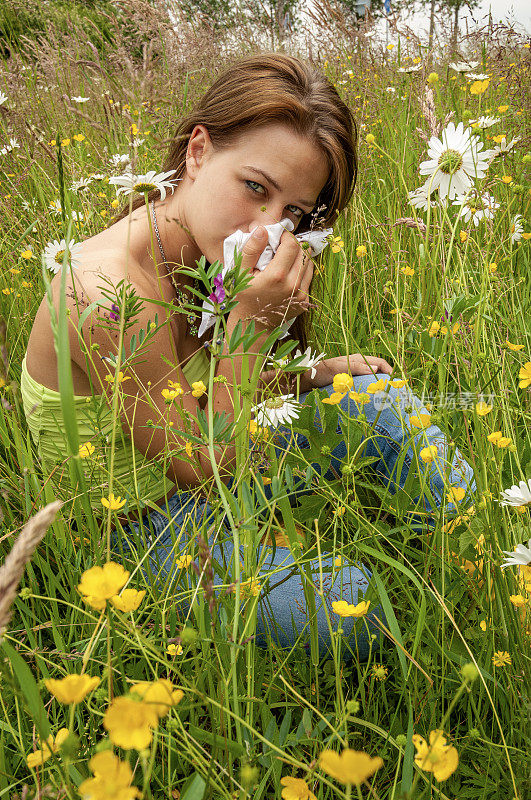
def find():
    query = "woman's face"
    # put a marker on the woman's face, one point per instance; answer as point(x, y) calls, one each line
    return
point(225, 190)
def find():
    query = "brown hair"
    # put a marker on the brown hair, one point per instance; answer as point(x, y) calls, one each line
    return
point(267, 89)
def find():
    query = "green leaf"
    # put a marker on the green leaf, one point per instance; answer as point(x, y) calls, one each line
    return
point(407, 769)
point(222, 743)
point(85, 314)
point(29, 689)
point(236, 337)
point(247, 498)
point(194, 788)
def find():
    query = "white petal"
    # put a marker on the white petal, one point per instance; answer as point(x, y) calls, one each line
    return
point(428, 166)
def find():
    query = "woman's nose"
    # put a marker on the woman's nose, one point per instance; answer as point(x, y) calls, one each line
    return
point(267, 218)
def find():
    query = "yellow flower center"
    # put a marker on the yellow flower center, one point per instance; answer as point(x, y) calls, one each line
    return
point(144, 187)
point(274, 402)
point(450, 161)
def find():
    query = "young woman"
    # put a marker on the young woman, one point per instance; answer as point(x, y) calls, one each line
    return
point(271, 139)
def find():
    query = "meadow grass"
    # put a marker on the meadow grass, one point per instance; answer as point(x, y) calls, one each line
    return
point(246, 717)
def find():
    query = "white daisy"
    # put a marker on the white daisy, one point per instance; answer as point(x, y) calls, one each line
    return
point(80, 99)
point(462, 66)
point(477, 207)
point(454, 160)
point(390, 89)
point(54, 252)
point(309, 361)
point(419, 198)
point(137, 141)
point(517, 228)
point(9, 147)
point(129, 183)
point(520, 556)
point(519, 495)
point(3, 98)
point(478, 76)
point(484, 122)
point(413, 68)
point(80, 185)
point(276, 410)
point(504, 146)
point(120, 159)
point(55, 207)
point(97, 176)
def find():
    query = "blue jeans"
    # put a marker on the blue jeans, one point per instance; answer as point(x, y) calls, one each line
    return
point(282, 612)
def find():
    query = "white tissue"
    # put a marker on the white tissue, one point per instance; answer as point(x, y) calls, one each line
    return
point(316, 240)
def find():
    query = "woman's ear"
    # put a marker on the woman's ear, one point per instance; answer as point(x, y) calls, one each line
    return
point(198, 151)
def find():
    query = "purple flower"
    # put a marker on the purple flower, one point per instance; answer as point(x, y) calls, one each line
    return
point(218, 295)
point(114, 313)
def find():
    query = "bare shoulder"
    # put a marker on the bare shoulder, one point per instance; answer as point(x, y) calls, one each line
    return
point(100, 274)
point(104, 286)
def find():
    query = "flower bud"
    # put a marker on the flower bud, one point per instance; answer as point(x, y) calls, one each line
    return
point(249, 775)
point(70, 746)
point(469, 672)
point(188, 636)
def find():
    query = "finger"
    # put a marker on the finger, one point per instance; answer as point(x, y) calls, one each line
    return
point(286, 253)
point(253, 248)
point(298, 277)
point(383, 366)
point(370, 364)
point(305, 273)
point(295, 276)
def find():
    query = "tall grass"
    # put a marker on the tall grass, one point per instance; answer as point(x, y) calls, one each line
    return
point(250, 716)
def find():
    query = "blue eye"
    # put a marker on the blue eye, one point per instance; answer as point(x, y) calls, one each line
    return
point(256, 184)
point(298, 212)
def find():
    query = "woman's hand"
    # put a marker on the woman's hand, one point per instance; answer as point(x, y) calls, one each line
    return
point(281, 290)
point(355, 364)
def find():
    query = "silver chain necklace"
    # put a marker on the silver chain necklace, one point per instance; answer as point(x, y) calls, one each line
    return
point(182, 297)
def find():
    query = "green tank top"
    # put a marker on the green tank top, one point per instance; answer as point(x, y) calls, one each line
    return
point(136, 478)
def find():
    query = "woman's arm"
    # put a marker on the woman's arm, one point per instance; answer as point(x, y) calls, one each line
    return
point(355, 364)
point(283, 383)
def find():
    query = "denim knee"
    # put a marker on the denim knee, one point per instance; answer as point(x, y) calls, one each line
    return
point(283, 615)
point(396, 445)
